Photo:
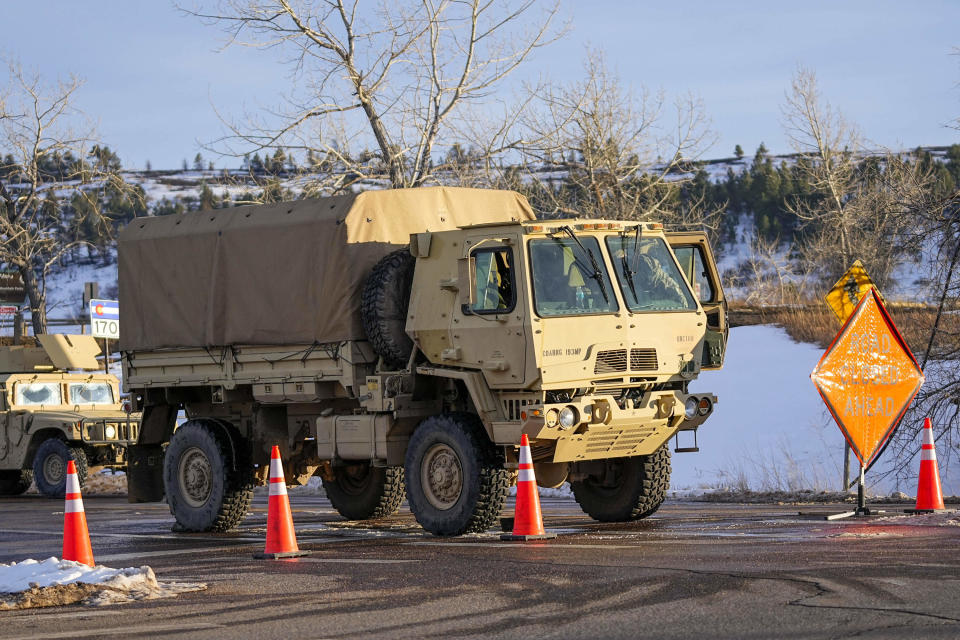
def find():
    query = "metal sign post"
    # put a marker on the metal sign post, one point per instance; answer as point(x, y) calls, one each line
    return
point(867, 377)
point(105, 323)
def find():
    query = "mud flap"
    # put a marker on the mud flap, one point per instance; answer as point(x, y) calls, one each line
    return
point(145, 473)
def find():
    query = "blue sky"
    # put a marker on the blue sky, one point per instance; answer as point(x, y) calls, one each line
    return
point(153, 75)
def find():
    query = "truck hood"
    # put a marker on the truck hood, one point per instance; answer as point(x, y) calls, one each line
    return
point(583, 351)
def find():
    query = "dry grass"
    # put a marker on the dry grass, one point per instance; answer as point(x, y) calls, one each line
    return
point(816, 323)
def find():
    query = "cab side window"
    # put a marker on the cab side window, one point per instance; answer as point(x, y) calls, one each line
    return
point(692, 262)
point(494, 290)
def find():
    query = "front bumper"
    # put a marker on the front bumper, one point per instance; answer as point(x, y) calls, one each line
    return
point(605, 430)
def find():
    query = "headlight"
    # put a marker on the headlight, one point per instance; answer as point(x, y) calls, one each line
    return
point(110, 432)
point(568, 417)
point(552, 418)
point(703, 408)
point(690, 407)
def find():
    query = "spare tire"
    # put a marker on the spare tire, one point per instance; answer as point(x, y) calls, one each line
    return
point(386, 296)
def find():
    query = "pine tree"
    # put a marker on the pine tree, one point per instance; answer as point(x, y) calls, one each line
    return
point(198, 162)
point(738, 152)
point(207, 199)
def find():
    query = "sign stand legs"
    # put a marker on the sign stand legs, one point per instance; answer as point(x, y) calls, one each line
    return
point(862, 509)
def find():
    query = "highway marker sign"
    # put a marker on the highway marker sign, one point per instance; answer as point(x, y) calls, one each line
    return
point(105, 319)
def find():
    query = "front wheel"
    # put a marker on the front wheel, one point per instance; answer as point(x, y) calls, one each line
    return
point(456, 482)
point(360, 491)
point(50, 466)
point(15, 481)
point(204, 491)
point(626, 488)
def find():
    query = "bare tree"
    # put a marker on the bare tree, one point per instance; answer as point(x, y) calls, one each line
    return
point(51, 180)
point(769, 276)
point(860, 202)
point(389, 76)
point(597, 148)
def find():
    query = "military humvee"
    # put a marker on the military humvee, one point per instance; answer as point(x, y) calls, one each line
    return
point(398, 343)
point(48, 415)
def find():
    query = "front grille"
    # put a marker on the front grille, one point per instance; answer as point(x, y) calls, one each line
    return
point(613, 361)
point(619, 443)
point(643, 359)
point(512, 408)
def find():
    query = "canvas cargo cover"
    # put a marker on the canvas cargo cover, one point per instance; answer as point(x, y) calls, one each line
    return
point(285, 273)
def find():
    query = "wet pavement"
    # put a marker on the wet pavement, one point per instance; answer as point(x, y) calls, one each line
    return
point(692, 570)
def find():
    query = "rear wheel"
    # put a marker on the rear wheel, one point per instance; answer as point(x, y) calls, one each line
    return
point(456, 482)
point(204, 490)
point(50, 466)
point(15, 481)
point(361, 491)
point(627, 488)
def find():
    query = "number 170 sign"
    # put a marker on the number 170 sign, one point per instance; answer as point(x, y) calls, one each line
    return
point(105, 319)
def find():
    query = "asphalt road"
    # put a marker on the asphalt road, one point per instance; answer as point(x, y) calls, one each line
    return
point(693, 570)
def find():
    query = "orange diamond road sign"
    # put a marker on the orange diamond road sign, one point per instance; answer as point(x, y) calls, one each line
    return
point(849, 290)
point(868, 377)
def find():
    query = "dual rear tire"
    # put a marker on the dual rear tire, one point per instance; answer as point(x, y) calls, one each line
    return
point(207, 477)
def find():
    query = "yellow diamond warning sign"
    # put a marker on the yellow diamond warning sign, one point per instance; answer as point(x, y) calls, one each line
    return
point(868, 377)
point(849, 290)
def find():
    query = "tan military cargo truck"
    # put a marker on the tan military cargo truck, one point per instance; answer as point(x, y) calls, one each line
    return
point(51, 410)
point(398, 343)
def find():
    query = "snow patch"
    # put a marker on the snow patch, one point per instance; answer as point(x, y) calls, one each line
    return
point(50, 582)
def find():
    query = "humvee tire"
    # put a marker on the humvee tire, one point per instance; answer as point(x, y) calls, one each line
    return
point(456, 482)
point(15, 481)
point(203, 490)
point(50, 466)
point(634, 488)
point(384, 303)
point(362, 492)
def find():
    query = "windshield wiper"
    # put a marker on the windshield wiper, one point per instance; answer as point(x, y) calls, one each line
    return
point(628, 268)
point(597, 273)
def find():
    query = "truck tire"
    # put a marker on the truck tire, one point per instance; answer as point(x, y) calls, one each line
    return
point(50, 466)
point(633, 488)
point(203, 490)
point(456, 482)
point(384, 303)
point(363, 492)
point(15, 481)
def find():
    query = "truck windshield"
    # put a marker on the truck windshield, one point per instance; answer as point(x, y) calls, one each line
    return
point(37, 393)
point(565, 282)
point(648, 275)
point(90, 393)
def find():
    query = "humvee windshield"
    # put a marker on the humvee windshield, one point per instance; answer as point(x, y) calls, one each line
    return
point(648, 275)
point(564, 281)
point(90, 393)
point(37, 393)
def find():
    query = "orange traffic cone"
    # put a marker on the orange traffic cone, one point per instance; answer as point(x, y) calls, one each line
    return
point(527, 521)
point(76, 537)
point(929, 494)
point(281, 538)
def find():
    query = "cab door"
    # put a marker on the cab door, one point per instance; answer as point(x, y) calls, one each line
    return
point(698, 265)
point(487, 331)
